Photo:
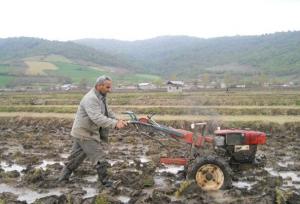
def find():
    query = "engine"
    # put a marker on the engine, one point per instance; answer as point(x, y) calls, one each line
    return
point(239, 145)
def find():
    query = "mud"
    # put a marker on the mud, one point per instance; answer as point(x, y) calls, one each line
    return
point(33, 152)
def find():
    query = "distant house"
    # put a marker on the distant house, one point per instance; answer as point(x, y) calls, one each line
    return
point(223, 86)
point(145, 86)
point(240, 86)
point(67, 87)
point(175, 86)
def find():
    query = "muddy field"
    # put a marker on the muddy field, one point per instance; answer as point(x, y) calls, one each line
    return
point(33, 152)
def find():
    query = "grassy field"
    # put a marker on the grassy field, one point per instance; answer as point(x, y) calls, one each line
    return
point(4, 69)
point(136, 78)
point(59, 66)
point(56, 58)
point(39, 68)
point(4, 80)
point(75, 72)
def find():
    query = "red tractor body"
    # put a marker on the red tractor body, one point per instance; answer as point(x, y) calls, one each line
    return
point(232, 146)
point(234, 141)
point(246, 137)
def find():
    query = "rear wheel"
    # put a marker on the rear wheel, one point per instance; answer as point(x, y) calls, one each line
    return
point(211, 173)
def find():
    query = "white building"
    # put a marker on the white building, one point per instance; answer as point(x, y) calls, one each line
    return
point(145, 86)
point(67, 87)
point(223, 86)
point(240, 86)
point(175, 86)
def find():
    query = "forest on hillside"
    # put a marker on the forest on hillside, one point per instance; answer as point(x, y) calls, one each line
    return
point(271, 58)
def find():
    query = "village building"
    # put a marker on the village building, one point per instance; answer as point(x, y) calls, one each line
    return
point(146, 86)
point(175, 86)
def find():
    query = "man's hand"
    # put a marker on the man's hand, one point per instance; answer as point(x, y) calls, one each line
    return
point(121, 124)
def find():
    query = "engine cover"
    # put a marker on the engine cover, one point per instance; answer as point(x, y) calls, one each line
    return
point(242, 137)
point(240, 145)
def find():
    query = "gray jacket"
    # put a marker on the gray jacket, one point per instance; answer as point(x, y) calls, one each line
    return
point(90, 117)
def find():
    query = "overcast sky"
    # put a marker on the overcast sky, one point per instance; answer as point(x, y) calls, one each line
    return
point(142, 19)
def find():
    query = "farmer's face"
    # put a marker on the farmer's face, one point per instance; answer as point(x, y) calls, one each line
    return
point(105, 87)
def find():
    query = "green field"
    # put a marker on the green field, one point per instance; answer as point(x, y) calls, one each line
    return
point(5, 80)
point(136, 78)
point(5, 75)
point(58, 66)
point(75, 72)
point(4, 69)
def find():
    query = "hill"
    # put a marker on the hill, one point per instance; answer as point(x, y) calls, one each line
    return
point(18, 48)
point(273, 58)
point(273, 55)
point(31, 61)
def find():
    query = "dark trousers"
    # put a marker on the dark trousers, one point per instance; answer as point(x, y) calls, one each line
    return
point(85, 148)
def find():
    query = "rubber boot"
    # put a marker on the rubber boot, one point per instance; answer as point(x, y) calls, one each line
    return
point(65, 175)
point(101, 168)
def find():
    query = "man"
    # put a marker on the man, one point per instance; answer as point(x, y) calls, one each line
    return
point(90, 131)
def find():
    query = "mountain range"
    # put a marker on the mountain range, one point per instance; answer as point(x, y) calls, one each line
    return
point(269, 57)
